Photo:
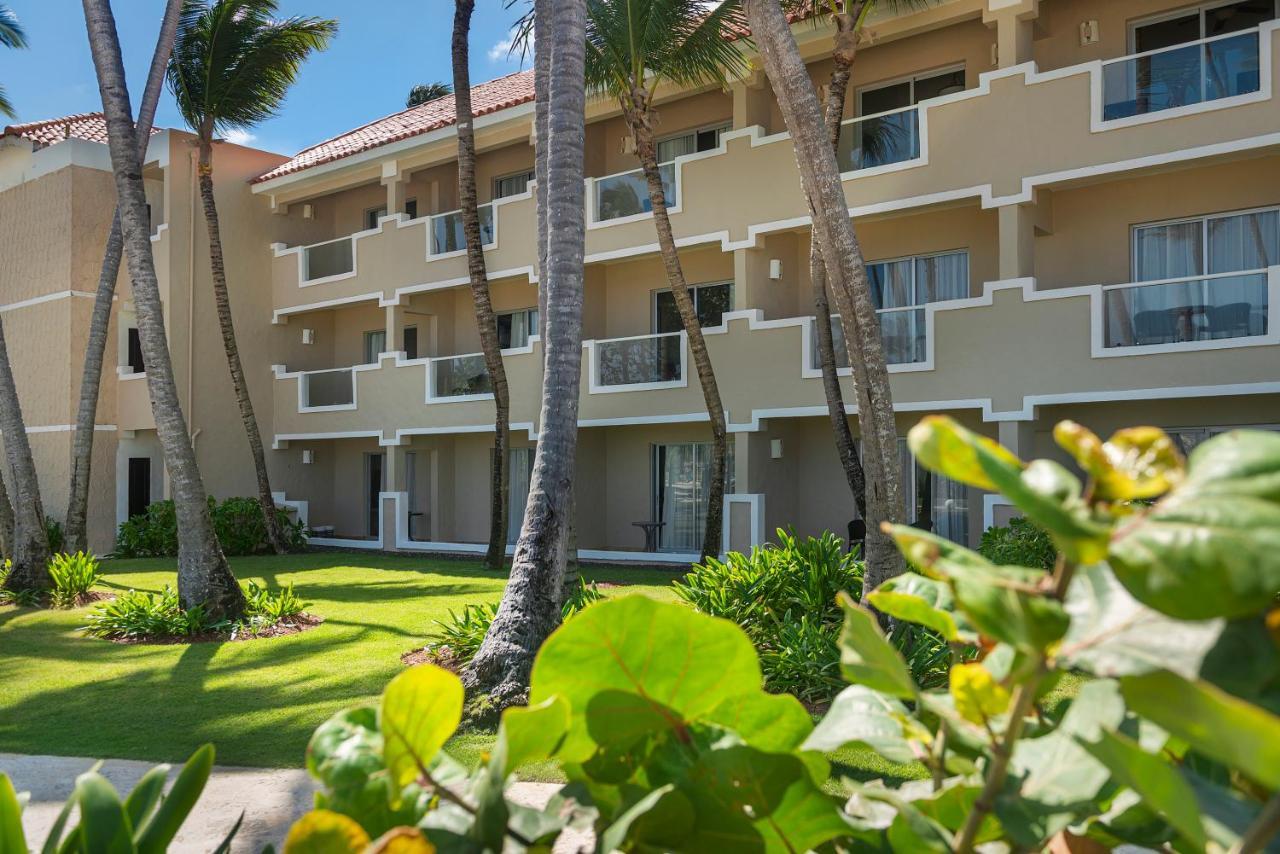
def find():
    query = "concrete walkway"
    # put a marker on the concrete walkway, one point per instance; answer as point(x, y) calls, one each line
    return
point(271, 799)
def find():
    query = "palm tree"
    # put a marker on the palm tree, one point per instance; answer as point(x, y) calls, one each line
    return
point(485, 319)
point(424, 92)
point(530, 606)
point(847, 276)
point(848, 17)
point(77, 522)
point(204, 578)
point(632, 47)
point(29, 546)
point(11, 35)
point(231, 67)
point(6, 521)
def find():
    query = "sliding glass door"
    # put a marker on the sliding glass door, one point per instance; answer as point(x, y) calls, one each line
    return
point(519, 474)
point(682, 490)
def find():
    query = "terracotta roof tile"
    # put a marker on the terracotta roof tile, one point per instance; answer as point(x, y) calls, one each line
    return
point(490, 97)
point(91, 127)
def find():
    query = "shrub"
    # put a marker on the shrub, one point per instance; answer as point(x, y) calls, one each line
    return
point(269, 607)
point(73, 576)
point(1021, 543)
point(138, 615)
point(21, 598)
point(458, 638)
point(53, 533)
point(238, 523)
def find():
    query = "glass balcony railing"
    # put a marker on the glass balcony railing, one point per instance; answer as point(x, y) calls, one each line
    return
point(902, 331)
point(334, 258)
point(328, 388)
point(1181, 76)
point(641, 360)
point(1231, 305)
point(879, 140)
point(448, 235)
point(459, 376)
point(627, 193)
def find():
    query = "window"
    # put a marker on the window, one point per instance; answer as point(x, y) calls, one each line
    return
point(682, 491)
point(515, 328)
point(1196, 297)
point(519, 476)
point(375, 342)
point(710, 302)
point(372, 215)
point(411, 342)
point(512, 185)
point(907, 93)
point(1190, 438)
point(135, 352)
point(1218, 19)
point(901, 289)
point(690, 142)
point(933, 502)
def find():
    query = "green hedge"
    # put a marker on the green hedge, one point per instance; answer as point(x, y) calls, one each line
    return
point(237, 521)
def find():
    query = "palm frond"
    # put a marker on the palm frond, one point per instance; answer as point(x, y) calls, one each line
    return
point(643, 42)
point(11, 34)
point(234, 62)
point(6, 108)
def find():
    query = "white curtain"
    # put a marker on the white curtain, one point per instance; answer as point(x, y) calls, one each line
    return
point(1168, 251)
point(519, 474)
point(670, 149)
point(942, 277)
point(684, 492)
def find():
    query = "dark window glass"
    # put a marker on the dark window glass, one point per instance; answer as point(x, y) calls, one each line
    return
point(1238, 16)
point(939, 84)
point(139, 485)
point(411, 342)
point(135, 352)
point(886, 98)
point(1167, 33)
point(710, 302)
point(504, 330)
point(411, 208)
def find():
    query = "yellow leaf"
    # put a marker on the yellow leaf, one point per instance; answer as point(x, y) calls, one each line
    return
point(1140, 462)
point(979, 697)
point(402, 840)
point(940, 444)
point(325, 832)
point(420, 709)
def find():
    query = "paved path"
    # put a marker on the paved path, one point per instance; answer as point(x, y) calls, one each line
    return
point(271, 798)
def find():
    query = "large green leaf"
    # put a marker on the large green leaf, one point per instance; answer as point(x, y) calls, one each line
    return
point(940, 444)
point(1113, 634)
point(1215, 723)
point(11, 836)
point(166, 821)
point(663, 815)
point(867, 657)
point(345, 754)
point(1242, 462)
point(678, 664)
point(1158, 782)
point(860, 715)
point(1138, 462)
point(776, 723)
point(420, 709)
point(925, 601)
point(104, 827)
point(530, 734)
point(909, 820)
point(139, 803)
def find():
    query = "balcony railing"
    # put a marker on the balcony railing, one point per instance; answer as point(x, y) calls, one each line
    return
point(448, 235)
point(332, 258)
point(879, 140)
point(902, 331)
point(458, 376)
point(1182, 75)
point(644, 360)
point(1177, 311)
point(322, 389)
point(627, 193)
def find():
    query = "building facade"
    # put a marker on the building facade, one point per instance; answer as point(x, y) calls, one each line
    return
point(1072, 210)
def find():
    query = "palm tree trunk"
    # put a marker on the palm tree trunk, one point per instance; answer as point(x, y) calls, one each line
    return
point(842, 255)
point(486, 321)
point(639, 117)
point(30, 541)
point(203, 575)
point(222, 299)
point(6, 519)
point(530, 607)
point(837, 88)
point(77, 522)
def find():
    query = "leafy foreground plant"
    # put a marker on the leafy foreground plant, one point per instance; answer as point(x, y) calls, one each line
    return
point(73, 577)
point(658, 716)
point(1020, 543)
point(146, 820)
point(141, 616)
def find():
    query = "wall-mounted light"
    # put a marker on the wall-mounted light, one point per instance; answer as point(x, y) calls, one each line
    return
point(308, 456)
point(775, 449)
point(308, 336)
point(1089, 33)
point(307, 212)
point(775, 268)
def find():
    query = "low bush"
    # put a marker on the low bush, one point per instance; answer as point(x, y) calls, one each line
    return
point(784, 597)
point(238, 523)
point(139, 615)
point(21, 598)
point(1020, 543)
point(54, 534)
point(73, 577)
point(457, 639)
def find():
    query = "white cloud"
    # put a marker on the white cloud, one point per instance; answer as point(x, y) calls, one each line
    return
point(501, 51)
point(239, 137)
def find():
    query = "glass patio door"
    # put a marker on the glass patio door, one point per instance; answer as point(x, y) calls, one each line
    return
point(682, 491)
point(519, 475)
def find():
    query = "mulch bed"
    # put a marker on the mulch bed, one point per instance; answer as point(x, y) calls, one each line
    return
point(442, 657)
point(290, 626)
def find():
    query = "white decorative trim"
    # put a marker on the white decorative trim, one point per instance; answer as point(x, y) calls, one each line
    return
point(755, 501)
point(68, 428)
point(44, 298)
point(594, 386)
point(125, 373)
point(990, 501)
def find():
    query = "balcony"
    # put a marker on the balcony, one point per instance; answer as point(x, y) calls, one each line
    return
point(454, 378)
point(903, 332)
point(1182, 76)
point(448, 235)
point(1189, 313)
point(627, 193)
point(879, 140)
point(327, 390)
point(638, 363)
point(328, 260)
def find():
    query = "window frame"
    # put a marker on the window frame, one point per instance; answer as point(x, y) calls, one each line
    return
point(906, 78)
point(653, 301)
point(1204, 220)
point(721, 127)
point(533, 325)
point(1200, 9)
point(915, 260)
point(365, 338)
point(532, 173)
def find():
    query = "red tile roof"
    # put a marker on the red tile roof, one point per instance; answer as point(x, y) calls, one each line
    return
point(91, 127)
point(490, 97)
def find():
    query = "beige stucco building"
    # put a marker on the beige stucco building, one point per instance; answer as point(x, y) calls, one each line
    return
point(1072, 206)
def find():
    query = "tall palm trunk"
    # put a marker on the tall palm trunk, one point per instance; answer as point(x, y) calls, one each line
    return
point(203, 575)
point(842, 57)
point(530, 607)
point(77, 521)
point(222, 299)
point(6, 519)
point(639, 117)
point(30, 540)
point(842, 255)
point(499, 485)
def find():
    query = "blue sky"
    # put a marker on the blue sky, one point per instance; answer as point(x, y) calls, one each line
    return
point(383, 48)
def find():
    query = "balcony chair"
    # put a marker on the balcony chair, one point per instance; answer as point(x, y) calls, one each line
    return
point(1231, 320)
point(1155, 327)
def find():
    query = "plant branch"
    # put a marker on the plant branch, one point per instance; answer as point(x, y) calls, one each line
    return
point(1264, 827)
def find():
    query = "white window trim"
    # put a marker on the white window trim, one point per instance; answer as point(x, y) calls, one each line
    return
point(908, 78)
point(916, 259)
point(497, 179)
point(722, 126)
point(528, 311)
point(1131, 36)
point(1203, 220)
point(653, 301)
